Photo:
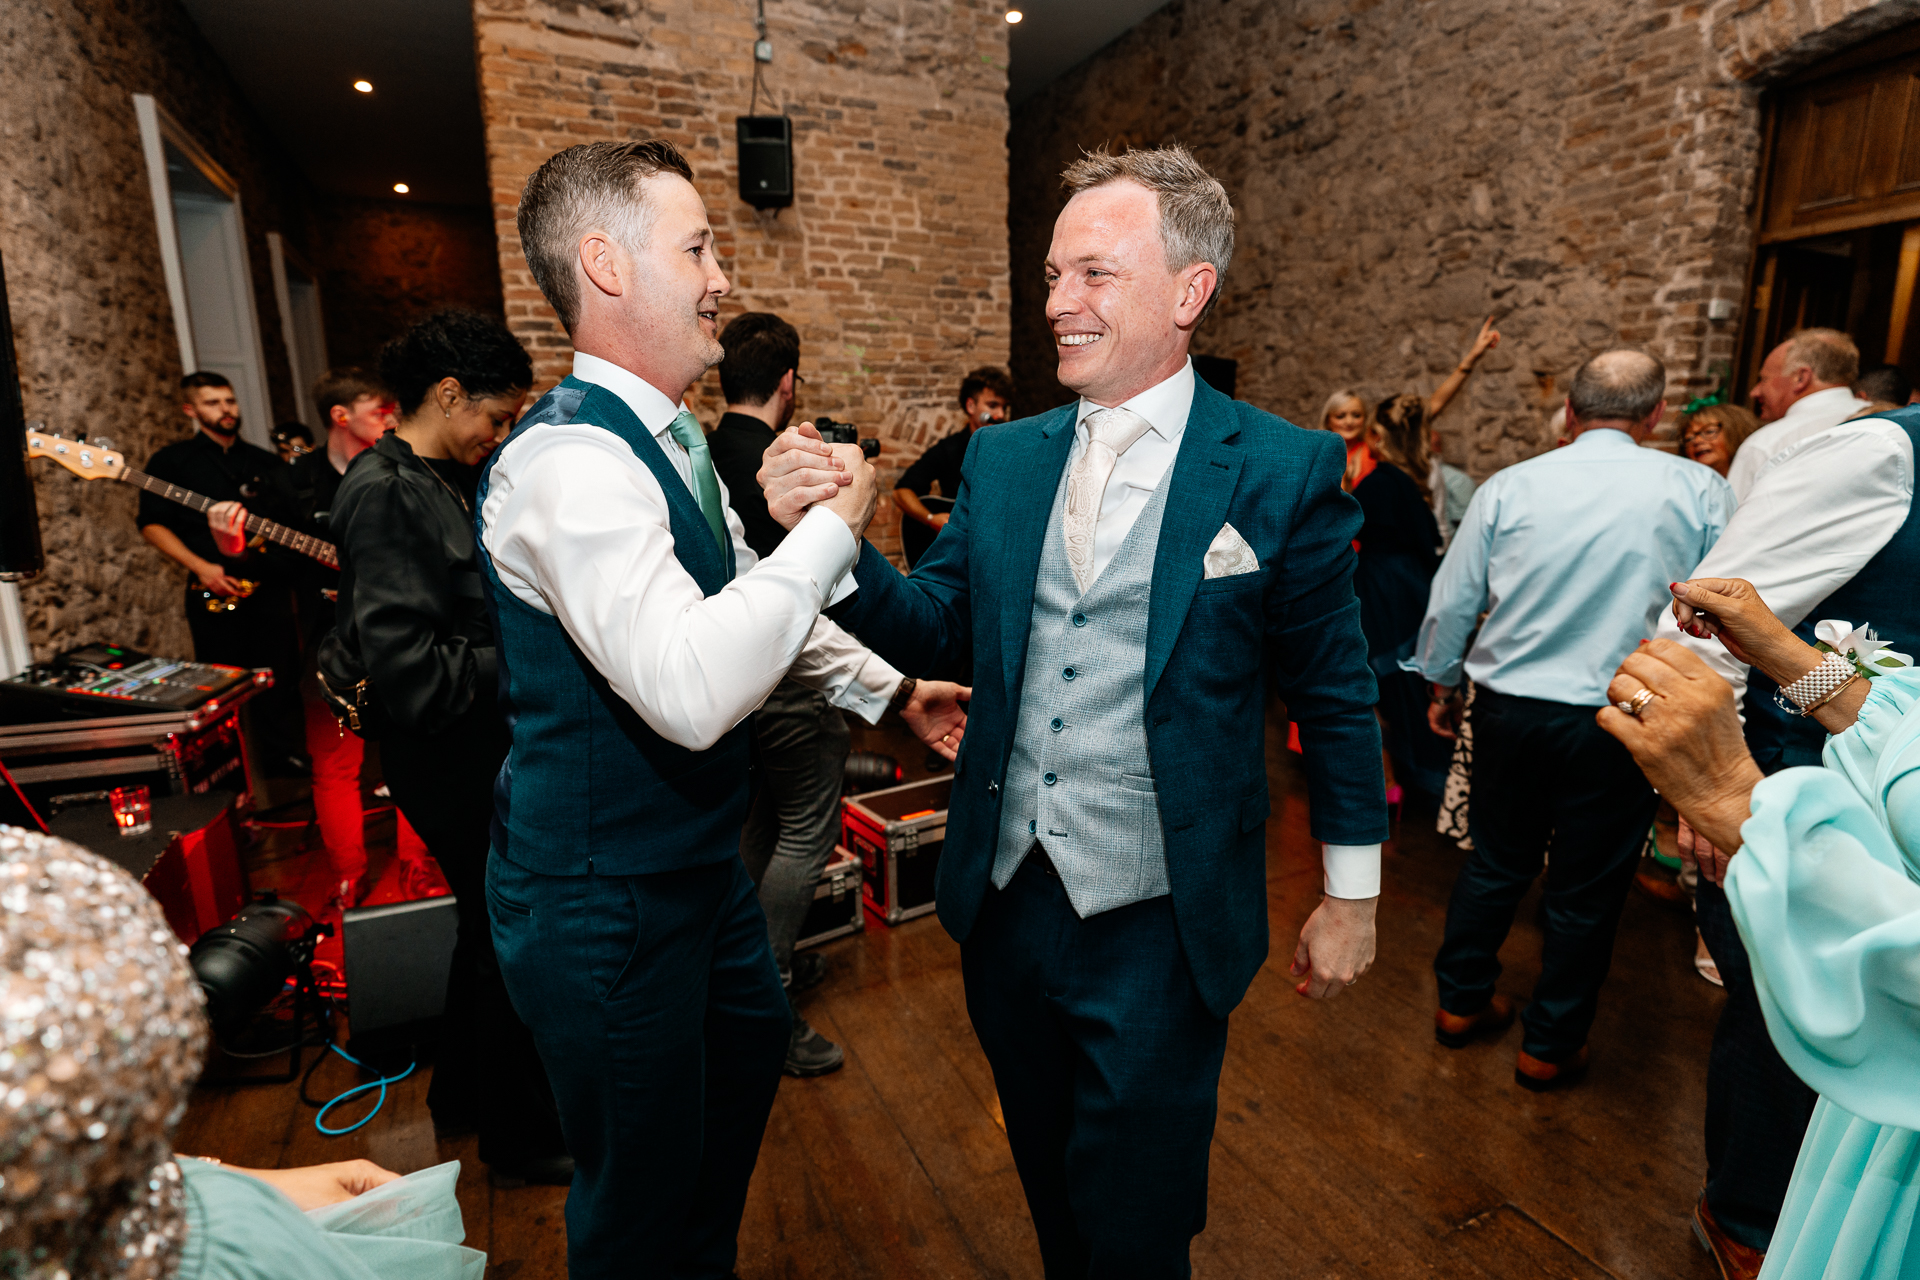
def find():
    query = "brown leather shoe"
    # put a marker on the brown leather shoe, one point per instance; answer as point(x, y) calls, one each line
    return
point(1531, 1073)
point(1455, 1031)
point(1735, 1260)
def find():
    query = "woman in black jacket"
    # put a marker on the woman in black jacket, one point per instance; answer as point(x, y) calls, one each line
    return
point(412, 622)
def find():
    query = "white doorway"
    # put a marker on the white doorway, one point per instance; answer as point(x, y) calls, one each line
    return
point(203, 251)
point(298, 294)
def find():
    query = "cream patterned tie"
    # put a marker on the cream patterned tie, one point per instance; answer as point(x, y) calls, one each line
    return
point(1110, 433)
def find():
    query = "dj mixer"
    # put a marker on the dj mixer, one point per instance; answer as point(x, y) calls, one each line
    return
point(107, 680)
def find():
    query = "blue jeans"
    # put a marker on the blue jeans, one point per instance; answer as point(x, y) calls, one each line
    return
point(659, 1014)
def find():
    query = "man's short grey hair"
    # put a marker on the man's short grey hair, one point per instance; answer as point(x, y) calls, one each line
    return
point(594, 186)
point(1622, 385)
point(1829, 353)
point(1196, 218)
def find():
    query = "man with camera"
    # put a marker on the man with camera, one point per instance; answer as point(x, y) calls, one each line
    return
point(800, 739)
point(986, 397)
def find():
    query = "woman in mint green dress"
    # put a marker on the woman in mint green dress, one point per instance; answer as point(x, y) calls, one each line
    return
point(1822, 869)
point(102, 1032)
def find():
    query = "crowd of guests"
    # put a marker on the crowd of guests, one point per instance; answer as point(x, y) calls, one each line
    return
point(1512, 623)
point(577, 631)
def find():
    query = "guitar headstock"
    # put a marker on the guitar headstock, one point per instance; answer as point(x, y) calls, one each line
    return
point(88, 461)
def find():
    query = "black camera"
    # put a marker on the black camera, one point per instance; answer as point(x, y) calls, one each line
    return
point(846, 433)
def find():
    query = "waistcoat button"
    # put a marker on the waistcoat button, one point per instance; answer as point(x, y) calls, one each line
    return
point(1049, 777)
point(1058, 724)
point(1069, 673)
point(1033, 826)
point(1079, 619)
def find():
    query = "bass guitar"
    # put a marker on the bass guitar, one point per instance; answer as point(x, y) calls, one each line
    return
point(93, 462)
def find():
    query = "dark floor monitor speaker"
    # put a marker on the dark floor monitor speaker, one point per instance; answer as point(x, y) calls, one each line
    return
point(766, 160)
point(397, 957)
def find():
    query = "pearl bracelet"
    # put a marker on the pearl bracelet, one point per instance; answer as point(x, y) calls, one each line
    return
point(1815, 687)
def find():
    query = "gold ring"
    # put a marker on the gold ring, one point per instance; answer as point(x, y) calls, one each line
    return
point(1638, 703)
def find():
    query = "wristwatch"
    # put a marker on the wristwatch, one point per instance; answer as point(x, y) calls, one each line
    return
point(904, 694)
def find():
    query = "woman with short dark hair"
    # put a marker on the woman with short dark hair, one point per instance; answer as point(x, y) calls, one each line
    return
point(412, 658)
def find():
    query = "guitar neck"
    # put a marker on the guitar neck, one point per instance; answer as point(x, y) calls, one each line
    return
point(256, 526)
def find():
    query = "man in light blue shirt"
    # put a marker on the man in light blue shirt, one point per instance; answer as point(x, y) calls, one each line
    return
point(1569, 556)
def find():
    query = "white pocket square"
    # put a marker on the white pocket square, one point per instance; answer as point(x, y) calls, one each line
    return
point(1230, 554)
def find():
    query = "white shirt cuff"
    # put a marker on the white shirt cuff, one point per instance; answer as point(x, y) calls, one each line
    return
point(825, 548)
point(872, 689)
point(1352, 870)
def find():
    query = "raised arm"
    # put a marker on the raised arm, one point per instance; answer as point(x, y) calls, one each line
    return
point(1487, 339)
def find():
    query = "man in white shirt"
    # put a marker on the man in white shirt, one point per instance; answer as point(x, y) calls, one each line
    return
point(1826, 531)
point(636, 633)
point(1803, 389)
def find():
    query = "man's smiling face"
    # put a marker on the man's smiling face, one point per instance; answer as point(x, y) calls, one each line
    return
point(1111, 300)
point(680, 283)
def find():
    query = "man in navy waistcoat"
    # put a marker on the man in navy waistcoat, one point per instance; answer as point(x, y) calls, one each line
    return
point(637, 631)
point(1128, 574)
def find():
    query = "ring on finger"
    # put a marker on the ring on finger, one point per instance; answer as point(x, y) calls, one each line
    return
point(1637, 703)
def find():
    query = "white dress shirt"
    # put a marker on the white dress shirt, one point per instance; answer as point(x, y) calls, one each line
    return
point(1352, 870)
point(1807, 416)
point(1818, 511)
point(1138, 471)
point(577, 527)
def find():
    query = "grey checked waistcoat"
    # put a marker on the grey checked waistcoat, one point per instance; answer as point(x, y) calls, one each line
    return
point(1080, 781)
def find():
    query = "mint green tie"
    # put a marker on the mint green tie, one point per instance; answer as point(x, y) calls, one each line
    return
point(686, 429)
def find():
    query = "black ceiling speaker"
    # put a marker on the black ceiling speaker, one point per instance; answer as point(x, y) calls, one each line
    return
point(21, 556)
point(766, 160)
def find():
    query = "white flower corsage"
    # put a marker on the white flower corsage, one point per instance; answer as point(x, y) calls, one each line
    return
point(1868, 652)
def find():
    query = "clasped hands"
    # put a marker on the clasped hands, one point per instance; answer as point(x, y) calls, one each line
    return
point(800, 470)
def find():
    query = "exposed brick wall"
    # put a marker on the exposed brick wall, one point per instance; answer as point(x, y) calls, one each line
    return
point(92, 323)
point(1586, 169)
point(892, 262)
point(386, 263)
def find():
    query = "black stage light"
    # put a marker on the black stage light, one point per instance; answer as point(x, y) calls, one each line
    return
point(766, 160)
point(870, 770)
point(245, 963)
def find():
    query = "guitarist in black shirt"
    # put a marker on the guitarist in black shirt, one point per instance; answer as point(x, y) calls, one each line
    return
point(239, 607)
point(358, 410)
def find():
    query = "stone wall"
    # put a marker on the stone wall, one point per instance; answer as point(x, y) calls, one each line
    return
point(92, 323)
point(386, 263)
point(892, 262)
point(1584, 170)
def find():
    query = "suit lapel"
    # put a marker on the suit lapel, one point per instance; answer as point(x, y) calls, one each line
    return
point(1031, 475)
point(1205, 472)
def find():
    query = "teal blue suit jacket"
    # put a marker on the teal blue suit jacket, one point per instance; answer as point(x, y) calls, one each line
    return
point(1212, 647)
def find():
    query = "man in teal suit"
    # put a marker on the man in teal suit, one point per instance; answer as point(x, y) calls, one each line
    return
point(1127, 574)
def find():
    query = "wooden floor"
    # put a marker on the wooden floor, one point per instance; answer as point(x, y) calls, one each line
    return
point(1349, 1144)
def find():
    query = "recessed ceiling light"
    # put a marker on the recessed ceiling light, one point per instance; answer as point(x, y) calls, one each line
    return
point(401, 188)
point(1014, 15)
point(364, 86)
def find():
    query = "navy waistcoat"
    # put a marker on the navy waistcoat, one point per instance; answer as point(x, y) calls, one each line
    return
point(1885, 594)
point(588, 787)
